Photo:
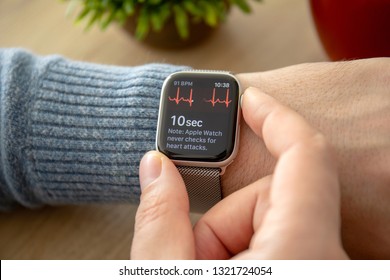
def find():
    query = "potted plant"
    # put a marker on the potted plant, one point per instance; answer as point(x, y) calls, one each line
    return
point(170, 23)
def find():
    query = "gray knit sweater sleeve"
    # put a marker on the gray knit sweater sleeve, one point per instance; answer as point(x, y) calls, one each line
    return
point(74, 132)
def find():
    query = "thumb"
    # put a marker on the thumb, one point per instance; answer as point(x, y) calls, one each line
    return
point(163, 228)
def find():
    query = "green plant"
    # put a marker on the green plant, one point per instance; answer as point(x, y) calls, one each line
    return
point(152, 15)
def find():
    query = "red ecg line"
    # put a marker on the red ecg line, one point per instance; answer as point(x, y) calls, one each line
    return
point(177, 99)
point(214, 101)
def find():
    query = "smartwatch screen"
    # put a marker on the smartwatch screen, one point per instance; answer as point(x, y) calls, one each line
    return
point(198, 116)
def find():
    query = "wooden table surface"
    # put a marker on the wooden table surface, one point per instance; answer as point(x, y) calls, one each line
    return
point(278, 33)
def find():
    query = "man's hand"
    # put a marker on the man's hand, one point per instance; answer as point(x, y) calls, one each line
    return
point(294, 214)
point(349, 102)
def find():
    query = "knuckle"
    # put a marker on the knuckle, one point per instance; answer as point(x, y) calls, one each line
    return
point(318, 145)
point(153, 206)
point(319, 142)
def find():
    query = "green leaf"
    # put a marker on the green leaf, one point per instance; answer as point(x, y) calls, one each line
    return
point(154, 2)
point(192, 8)
point(96, 15)
point(121, 16)
point(109, 18)
point(211, 14)
point(181, 21)
point(142, 28)
point(157, 21)
point(93, 5)
point(83, 14)
point(165, 11)
point(159, 15)
point(71, 7)
point(105, 3)
point(129, 7)
point(243, 5)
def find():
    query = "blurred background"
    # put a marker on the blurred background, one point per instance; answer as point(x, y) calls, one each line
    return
point(275, 34)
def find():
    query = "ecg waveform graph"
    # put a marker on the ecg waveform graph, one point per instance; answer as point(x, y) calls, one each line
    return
point(214, 101)
point(179, 99)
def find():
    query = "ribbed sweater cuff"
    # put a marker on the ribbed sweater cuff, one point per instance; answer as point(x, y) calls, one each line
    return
point(87, 127)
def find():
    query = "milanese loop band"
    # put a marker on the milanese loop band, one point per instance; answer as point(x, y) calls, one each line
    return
point(203, 186)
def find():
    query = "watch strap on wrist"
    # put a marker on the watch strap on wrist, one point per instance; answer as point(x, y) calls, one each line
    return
point(203, 186)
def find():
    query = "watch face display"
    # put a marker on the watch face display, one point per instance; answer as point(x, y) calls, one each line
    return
point(198, 116)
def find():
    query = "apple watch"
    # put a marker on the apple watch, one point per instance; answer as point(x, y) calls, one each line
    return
point(198, 129)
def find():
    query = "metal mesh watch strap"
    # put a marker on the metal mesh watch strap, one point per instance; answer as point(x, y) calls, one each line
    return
point(203, 186)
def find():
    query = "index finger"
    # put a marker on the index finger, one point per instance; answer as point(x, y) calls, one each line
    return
point(305, 189)
point(279, 126)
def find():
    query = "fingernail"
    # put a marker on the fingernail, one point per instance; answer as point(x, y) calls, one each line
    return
point(245, 93)
point(150, 168)
point(241, 98)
